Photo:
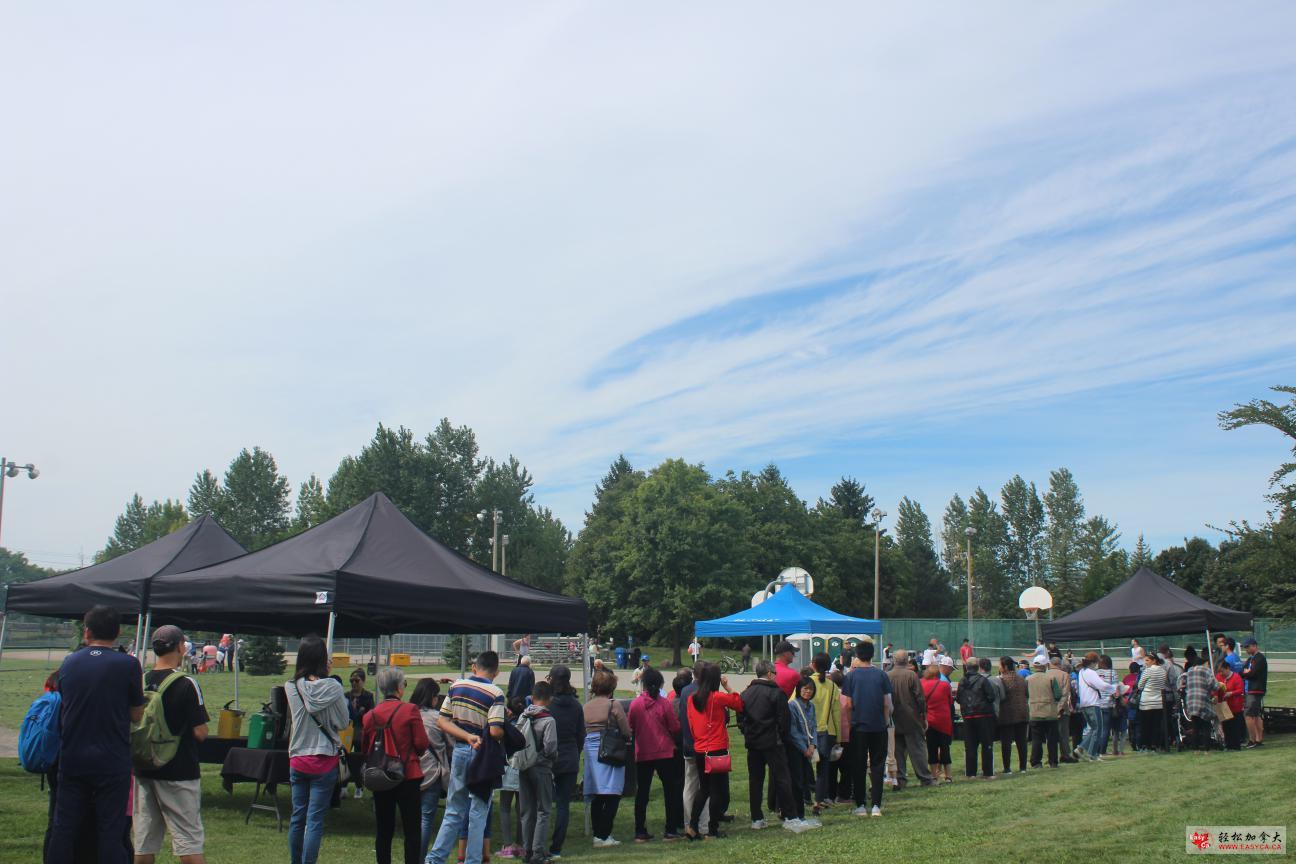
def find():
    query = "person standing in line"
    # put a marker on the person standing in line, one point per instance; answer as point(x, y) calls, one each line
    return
point(939, 700)
point(1013, 718)
point(930, 653)
point(1112, 708)
point(1231, 695)
point(435, 761)
point(1044, 695)
point(1231, 656)
point(535, 783)
point(869, 693)
point(707, 709)
point(1130, 682)
point(603, 783)
point(359, 703)
point(976, 698)
point(102, 695)
point(319, 711)
point(766, 725)
point(692, 781)
point(1151, 703)
point(405, 738)
point(473, 708)
point(803, 735)
point(521, 680)
point(909, 722)
point(787, 679)
point(569, 725)
point(1137, 653)
point(827, 702)
point(1095, 697)
point(1064, 707)
point(170, 797)
point(1199, 687)
point(655, 726)
point(1255, 674)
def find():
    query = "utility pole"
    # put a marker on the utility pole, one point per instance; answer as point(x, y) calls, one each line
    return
point(878, 515)
point(971, 532)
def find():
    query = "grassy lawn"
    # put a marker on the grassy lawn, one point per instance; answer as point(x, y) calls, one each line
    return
point(1135, 808)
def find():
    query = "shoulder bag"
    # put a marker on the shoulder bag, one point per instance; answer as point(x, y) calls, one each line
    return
point(382, 771)
point(719, 763)
point(614, 746)
point(344, 769)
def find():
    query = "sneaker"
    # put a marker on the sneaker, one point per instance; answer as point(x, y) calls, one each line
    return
point(669, 837)
point(1006, 772)
point(642, 838)
point(812, 822)
point(606, 842)
point(359, 792)
point(796, 826)
point(555, 856)
point(861, 810)
point(876, 811)
point(846, 801)
point(506, 852)
point(758, 824)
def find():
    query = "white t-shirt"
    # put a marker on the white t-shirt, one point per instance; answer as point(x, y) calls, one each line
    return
point(929, 656)
point(694, 649)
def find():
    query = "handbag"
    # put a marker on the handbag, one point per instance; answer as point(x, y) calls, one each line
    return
point(614, 746)
point(1223, 711)
point(382, 771)
point(720, 763)
point(344, 769)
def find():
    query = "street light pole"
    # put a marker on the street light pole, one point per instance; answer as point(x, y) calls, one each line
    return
point(878, 516)
point(504, 556)
point(11, 469)
point(971, 532)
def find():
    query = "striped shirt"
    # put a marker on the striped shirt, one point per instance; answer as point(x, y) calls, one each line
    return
point(1151, 683)
point(473, 704)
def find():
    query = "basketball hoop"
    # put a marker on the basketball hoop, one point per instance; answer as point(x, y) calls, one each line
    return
point(1031, 613)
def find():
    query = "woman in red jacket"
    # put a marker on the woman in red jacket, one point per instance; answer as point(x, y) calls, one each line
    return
point(707, 716)
point(1234, 728)
point(405, 738)
point(940, 722)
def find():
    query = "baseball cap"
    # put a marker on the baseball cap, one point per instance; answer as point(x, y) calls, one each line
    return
point(945, 660)
point(1249, 641)
point(168, 635)
point(784, 647)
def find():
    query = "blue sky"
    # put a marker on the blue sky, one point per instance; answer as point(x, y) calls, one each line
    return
point(929, 248)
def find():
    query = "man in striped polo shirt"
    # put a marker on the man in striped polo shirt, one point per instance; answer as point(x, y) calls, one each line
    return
point(473, 707)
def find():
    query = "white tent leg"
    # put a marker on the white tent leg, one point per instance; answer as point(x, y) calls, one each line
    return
point(587, 668)
point(1210, 655)
point(4, 625)
point(463, 656)
point(234, 647)
point(143, 654)
point(139, 633)
point(328, 640)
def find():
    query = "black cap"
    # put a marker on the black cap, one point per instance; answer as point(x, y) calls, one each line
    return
point(784, 647)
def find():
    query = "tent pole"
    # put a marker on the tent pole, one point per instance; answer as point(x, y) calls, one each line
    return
point(1210, 655)
point(328, 640)
point(463, 656)
point(148, 625)
point(4, 625)
point(234, 647)
point(139, 632)
point(586, 665)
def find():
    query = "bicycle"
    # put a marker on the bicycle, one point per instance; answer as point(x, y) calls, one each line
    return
point(730, 665)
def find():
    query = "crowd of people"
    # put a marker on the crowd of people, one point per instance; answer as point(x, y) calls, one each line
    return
point(837, 732)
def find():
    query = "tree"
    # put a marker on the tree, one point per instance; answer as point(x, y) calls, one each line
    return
point(992, 592)
point(848, 498)
point(205, 495)
point(506, 487)
point(255, 503)
point(15, 568)
point(1186, 565)
point(1142, 554)
point(603, 544)
point(1066, 511)
point(925, 589)
point(538, 551)
point(140, 525)
point(687, 555)
point(312, 505)
point(1105, 564)
point(455, 471)
point(953, 541)
point(1262, 412)
point(779, 532)
point(392, 463)
point(263, 655)
point(1024, 518)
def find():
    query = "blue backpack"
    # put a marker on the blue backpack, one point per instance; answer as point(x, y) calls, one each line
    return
point(39, 738)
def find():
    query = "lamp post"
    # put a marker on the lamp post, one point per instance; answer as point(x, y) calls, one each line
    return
point(11, 469)
point(504, 555)
point(971, 532)
point(496, 518)
point(878, 515)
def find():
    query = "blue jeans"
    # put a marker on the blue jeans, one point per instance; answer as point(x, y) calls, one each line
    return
point(431, 798)
point(1095, 723)
point(460, 803)
point(564, 785)
point(311, 794)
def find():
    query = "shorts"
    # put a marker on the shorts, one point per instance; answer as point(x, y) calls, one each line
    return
point(1254, 705)
point(168, 804)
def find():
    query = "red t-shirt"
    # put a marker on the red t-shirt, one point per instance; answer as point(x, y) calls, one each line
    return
point(965, 652)
point(709, 731)
point(1233, 692)
point(939, 700)
point(786, 677)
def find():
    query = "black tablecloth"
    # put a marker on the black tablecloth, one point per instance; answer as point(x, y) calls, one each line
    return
point(244, 765)
point(213, 750)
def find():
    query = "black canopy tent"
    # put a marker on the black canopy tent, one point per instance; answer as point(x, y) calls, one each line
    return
point(368, 571)
point(125, 582)
point(1146, 603)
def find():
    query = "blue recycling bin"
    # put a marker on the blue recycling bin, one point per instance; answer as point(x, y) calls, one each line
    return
point(621, 658)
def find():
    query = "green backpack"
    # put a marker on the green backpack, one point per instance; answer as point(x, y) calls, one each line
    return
point(152, 743)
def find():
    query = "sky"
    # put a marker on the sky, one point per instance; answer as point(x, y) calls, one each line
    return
point(928, 247)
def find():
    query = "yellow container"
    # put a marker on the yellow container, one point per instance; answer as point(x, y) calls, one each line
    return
point(400, 660)
point(346, 736)
point(229, 723)
point(341, 660)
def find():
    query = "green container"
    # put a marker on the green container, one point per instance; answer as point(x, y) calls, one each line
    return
point(260, 732)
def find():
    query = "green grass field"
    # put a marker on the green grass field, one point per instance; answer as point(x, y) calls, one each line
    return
point(1135, 808)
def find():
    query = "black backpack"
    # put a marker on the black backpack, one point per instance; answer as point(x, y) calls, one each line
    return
point(382, 771)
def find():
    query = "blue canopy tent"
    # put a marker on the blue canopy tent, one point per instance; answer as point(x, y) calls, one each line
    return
point(788, 611)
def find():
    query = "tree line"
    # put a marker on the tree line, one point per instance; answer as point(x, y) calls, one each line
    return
point(663, 547)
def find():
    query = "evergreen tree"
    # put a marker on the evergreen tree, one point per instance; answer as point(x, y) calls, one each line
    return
point(205, 495)
point(1105, 564)
point(263, 655)
point(848, 498)
point(1282, 418)
point(925, 589)
point(780, 523)
point(256, 499)
point(455, 470)
point(992, 593)
point(1186, 565)
point(312, 505)
point(1023, 513)
point(1142, 554)
point(603, 542)
point(140, 525)
point(953, 541)
point(1066, 512)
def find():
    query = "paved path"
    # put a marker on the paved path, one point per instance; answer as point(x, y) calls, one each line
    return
point(8, 743)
